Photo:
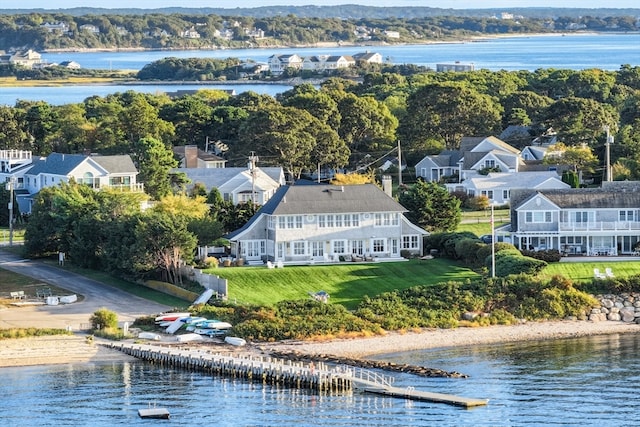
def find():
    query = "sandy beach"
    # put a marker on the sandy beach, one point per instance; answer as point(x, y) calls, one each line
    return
point(78, 349)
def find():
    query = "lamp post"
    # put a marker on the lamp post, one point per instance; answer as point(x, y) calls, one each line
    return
point(607, 154)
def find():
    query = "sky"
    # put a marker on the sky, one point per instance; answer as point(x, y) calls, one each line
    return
point(230, 4)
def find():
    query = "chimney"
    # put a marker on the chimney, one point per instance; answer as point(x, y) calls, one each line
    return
point(190, 156)
point(387, 185)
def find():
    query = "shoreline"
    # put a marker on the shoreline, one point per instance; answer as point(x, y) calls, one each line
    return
point(339, 44)
point(73, 349)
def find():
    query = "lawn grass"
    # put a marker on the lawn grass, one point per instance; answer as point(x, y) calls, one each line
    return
point(346, 283)
point(583, 271)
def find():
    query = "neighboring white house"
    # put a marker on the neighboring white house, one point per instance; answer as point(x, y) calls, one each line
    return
point(320, 223)
point(497, 187)
point(370, 57)
point(279, 63)
point(95, 171)
point(475, 153)
point(588, 221)
point(238, 185)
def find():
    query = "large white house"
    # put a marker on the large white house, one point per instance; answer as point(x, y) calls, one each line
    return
point(320, 223)
point(28, 176)
point(588, 221)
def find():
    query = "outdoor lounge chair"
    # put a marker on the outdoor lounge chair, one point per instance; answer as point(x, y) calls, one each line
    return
point(608, 272)
point(597, 274)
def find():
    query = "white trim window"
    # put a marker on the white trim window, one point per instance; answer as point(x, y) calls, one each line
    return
point(386, 219)
point(410, 241)
point(299, 247)
point(290, 222)
point(317, 248)
point(537, 216)
point(378, 245)
point(339, 246)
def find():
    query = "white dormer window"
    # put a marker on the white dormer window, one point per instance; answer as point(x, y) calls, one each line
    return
point(489, 163)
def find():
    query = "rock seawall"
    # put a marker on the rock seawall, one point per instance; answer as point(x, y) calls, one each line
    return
point(623, 307)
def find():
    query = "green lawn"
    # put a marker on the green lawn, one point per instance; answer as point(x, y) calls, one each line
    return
point(346, 283)
point(583, 271)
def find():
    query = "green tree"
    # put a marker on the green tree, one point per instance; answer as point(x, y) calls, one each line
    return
point(154, 161)
point(431, 206)
point(447, 112)
point(164, 243)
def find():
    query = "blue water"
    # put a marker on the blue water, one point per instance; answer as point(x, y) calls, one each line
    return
point(577, 52)
point(573, 51)
point(572, 382)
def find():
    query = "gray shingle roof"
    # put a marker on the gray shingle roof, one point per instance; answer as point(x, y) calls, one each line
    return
point(116, 164)
point(321, 199)
point(56, 164)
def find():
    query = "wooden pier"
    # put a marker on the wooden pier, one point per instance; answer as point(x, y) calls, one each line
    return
point(319, 377)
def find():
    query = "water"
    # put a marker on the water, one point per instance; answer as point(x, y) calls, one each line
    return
point(571, 382)
point(604, 51)
point(577, 52)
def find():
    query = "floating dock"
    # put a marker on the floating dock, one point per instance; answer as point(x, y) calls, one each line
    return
point(157, 413)
point(319, 377)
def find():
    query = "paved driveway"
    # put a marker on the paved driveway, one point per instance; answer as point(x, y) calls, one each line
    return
point(96, 295)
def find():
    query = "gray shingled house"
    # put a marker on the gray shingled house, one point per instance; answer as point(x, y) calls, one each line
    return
point(590, 221)
point(304, 224)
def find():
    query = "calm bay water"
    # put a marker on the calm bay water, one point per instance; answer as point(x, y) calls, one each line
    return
point(577, 52)
point(573, 382)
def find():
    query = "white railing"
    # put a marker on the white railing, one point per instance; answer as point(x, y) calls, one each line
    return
point(599, 226)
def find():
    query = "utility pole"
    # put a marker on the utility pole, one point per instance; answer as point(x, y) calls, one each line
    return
point(607, 154)
point(399, 166)
point(10, 188)
point(253, 159)
point(493, 245)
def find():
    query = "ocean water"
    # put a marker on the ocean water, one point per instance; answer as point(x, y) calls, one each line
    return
point(570, 382)
point(576, 52)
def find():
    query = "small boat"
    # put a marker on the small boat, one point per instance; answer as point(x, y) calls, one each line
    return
point(68, 299)
point(204, 297)
point(213, 324)
point(169, 317)
point(157, 413)
point(174, 326)
point(235, 341)
point(209, 332)
point(149, 336)
point(189, 337)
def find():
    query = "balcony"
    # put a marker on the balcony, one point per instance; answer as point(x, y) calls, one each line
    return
point(600, 226)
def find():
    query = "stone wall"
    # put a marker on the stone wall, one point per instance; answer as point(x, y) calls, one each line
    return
point(623, 307)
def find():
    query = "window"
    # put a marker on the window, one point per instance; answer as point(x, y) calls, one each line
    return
point(489, 163)
point(538, 216)
point(317, 248)
point(378, 245)
point(357, 247)
point(581, 216)
point(338, 246)
point(282, 222)
point(410, 242)
point(330, 221)
point(272, 222)
point(322, 221)
point(505, 195)
point(629, 215)
point(338, 220)
point(299, 248)
point(488, 193)
point(386, 219)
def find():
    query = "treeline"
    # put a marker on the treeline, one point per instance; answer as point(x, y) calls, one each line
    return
point(347, 124)
point(167, 30)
